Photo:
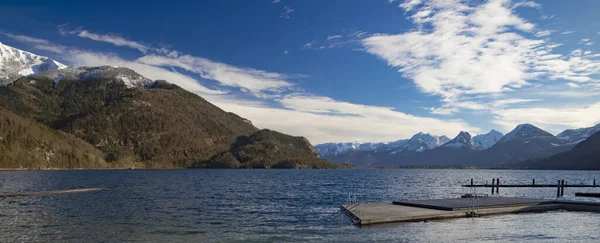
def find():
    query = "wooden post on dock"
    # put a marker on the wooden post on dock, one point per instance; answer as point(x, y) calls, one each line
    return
point(558, 189)
point(471, 181)
point(533, 183)
point(497, 185)
point(594, 182)
point(493, 182)
point(562, 188)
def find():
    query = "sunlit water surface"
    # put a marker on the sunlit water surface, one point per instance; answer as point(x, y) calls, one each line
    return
point(272, 206)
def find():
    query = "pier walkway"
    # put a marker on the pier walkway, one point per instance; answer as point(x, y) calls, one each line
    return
point(422, 210)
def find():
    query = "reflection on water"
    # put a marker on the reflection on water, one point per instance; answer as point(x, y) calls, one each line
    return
point(271, 205)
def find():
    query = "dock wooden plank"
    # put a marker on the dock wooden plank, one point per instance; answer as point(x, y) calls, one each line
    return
point(465, 203)
point(587, 194)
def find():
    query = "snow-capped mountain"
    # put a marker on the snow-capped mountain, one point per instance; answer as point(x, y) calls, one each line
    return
point(417, 143)
point(335, 149)
point(421, 142)
point(527, 132)
point(575, 136)
point(332, 149)
point(129, 77)
point(15, 63)
point(485, 141)
point(462, 141)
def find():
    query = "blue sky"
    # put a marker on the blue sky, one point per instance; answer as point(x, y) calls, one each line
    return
point(336, 71)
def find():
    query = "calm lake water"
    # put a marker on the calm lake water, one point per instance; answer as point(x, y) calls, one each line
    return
point(271, 206)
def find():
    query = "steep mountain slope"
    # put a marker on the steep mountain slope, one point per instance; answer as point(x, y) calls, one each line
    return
point(575, 136)
point(485, 141)
point(25, 143)
point(462, 141)
point(421, 142)
point(130, 118)
point(522, 143)
point(15, 63)
point(584, 156)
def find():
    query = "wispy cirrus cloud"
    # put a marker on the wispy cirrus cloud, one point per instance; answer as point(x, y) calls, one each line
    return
point(331, 37)
point(245, 78)
point(460, 50)
point(113, 39)
point(287, 11)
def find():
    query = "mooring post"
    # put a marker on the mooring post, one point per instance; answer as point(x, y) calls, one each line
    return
point(562, 187)
point(471, 182)
point(594, 182)
point(558, 189)
point(533, 183)
point(497, 185)
point(493, 182)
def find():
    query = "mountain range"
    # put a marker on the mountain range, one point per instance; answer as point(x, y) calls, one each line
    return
point(525, 142)
point(53, 116)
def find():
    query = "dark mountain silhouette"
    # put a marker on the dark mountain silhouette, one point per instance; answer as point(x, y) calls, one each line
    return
point(584, 156)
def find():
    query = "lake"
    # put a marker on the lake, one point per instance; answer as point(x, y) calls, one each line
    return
point(273, 206)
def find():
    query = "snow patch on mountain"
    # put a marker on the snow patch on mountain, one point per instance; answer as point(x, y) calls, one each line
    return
point(421, 142)
point(575, 136)
point(485, 141)
point(15, 63)
point(462, 140)
point(130, 78)
point(417, 143)
point(526, 132)
point(334, 149)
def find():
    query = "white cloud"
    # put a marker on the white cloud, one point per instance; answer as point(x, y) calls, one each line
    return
point(331, 37)
point(543, 33)
point(113, 39)
point(553, 119)
point(26, 39)
point(286, 12)
point(462, 50)
point(530, 4)
point(504, 102)
point(567, 32)
point(39, 44)
point(276, 1)
point(308, 45)
point(544, 17)
point(285, 52)
point(322, 119)
point(248, 79)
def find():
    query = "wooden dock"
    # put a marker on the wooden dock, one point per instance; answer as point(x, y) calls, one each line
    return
point(47, 193)
point(587, 194)
point(422, 210)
